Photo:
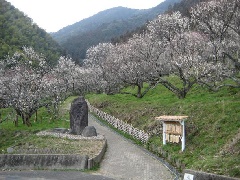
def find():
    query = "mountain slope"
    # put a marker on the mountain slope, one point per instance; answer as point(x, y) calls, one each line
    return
point(104, 26)
point(184, 6)
point(91, 23)
point(18, 30)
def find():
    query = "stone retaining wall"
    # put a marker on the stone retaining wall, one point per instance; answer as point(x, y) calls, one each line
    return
point(198, 175)
point(119, 124)
point(43, 161)
point(97, 159)
point(50, 161)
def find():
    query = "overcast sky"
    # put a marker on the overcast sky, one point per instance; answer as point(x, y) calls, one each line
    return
point(52, 15)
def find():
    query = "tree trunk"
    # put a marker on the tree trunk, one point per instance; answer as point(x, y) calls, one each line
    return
point(23, 119)
point(25, 116)
point(182, 94)
point(16, 120)
point(27, 120)
point(36, 117)
point(139, 93)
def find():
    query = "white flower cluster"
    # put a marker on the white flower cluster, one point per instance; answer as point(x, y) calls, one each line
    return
point(201, 49)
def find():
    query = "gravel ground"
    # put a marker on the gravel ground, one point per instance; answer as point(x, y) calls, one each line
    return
point(69, 136)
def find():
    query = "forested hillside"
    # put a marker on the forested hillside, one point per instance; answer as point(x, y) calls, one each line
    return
point(184, 6)
point(18, 30)
point(104, 26)
point(88, 24)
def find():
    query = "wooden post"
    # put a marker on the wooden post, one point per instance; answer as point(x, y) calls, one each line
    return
point(183, 135)
point(164, 133)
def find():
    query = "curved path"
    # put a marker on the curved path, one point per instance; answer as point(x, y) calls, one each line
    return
point(124, 160)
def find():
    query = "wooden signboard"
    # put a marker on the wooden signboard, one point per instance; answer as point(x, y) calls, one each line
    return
point(173, 129)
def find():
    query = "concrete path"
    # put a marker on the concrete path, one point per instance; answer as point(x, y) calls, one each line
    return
point(124, 160)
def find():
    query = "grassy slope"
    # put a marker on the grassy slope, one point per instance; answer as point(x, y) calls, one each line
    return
point(213, 127)
point(11, 135)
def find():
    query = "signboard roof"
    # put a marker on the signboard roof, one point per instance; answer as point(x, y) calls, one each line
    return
point(171, 118)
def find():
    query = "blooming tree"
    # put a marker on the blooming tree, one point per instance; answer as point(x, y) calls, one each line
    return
point(186, 54)
point(22, 79)
point(188, 58)
point(169, 47)
point(203, 49)
point(99, 58)
point(169, 32)
point(85, 80)
point(135, 62)
point(219, 21)
point(65, 72)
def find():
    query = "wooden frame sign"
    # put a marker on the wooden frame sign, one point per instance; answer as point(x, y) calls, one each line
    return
point(173, 129)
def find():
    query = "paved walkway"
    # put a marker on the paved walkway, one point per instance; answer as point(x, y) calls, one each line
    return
point(124, 160)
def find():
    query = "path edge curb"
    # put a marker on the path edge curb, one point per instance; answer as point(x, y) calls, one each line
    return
point(92, 162)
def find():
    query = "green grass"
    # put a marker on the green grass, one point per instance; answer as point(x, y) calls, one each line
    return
point(214, 120)
point(23, 139)
point(11, 135)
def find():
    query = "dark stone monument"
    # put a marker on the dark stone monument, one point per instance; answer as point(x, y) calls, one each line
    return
point(78, 115)
point(89, 131)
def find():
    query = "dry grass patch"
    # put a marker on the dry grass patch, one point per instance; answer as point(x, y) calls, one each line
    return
point(54, 145)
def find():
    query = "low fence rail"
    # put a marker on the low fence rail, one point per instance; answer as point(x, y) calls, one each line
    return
point(119, 124)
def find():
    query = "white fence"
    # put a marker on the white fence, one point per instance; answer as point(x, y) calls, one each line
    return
point(119, 124)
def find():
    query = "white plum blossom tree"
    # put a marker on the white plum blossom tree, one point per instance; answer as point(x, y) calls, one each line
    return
point(188, 59)
point(186, 54)
point(171, 46)
point(172, 35)
point(135, 60)
point(99, 58)
point(65, 72)
point(85, 80)
point(22, 79)
point(219, 21)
